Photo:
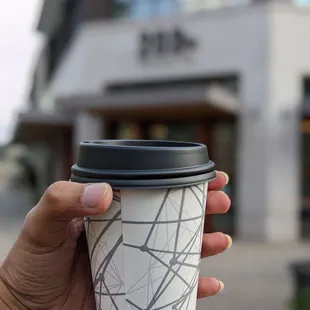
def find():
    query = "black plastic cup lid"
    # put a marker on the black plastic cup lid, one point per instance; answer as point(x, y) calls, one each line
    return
point(143, 163)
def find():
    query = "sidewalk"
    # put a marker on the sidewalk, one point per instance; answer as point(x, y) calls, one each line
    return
point(14, 205)
point(256, 276)
point(9, 230)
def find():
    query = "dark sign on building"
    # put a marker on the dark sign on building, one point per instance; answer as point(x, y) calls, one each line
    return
point(159, 44)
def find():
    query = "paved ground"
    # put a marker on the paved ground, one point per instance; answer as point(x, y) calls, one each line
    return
point(256, 276)
point(9, 229)
point(14, 205)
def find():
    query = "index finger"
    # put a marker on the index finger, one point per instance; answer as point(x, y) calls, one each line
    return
point(220, 182)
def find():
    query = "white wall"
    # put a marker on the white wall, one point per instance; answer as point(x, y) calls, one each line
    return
point(290, 47)
point(290, 62)
point(275, 133)
point(228, 40)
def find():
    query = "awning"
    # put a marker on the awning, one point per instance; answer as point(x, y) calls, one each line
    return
point(212, 100)
point(38, 126)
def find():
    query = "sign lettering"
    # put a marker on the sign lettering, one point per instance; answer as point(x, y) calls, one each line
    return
point(165, 43)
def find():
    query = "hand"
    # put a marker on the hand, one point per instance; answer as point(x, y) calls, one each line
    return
point(48, 266)
point(215, 243)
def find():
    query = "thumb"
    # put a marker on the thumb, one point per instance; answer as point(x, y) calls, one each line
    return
point(47, 223)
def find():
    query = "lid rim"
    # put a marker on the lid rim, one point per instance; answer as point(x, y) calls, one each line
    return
point(151, 183)
point(159, 173)
point(150, 145)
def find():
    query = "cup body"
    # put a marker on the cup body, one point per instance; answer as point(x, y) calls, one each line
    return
point(145, 250)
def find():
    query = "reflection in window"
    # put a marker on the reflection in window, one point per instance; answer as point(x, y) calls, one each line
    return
point(128, 131)
point(148, 8)
point(306, 163)
point(159, 132)
point(120, 8)
point(224, 147)
point(198, 5)
point(302, 2)
point(305, 190)
point(175, 132)
point(306, 88)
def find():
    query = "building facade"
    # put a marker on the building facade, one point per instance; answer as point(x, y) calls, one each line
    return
point(231, 74)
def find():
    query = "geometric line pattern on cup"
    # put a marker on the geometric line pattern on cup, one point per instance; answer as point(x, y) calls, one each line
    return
point(171, 263)
point(177, 258)
point(106, 257)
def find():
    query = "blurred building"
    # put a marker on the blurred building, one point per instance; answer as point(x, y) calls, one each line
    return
point(232, 74)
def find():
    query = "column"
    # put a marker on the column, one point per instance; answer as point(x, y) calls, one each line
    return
point(268, 161)
point(252, 177)
point(86, 127)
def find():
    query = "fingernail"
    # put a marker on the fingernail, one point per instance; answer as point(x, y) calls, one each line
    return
point(93, 194)
point(230, 242)
point(226, 176)
point(221, 287)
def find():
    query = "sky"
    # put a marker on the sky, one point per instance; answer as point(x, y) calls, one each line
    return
point(19, 44)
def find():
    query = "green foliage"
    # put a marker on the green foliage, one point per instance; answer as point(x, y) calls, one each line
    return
point(302, 300)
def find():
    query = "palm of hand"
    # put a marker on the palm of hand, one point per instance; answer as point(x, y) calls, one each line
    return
point(79, 293)
point(54, 279)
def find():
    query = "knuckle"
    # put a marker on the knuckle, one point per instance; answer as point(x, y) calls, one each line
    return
point(55, 193)
point(29, 216)
point(29, 228)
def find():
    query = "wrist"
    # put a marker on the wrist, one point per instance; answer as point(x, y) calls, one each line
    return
point(5, 302)
point(7, 299)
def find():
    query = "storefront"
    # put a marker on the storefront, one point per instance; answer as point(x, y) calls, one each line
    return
point(219, 134)
point(176, 57)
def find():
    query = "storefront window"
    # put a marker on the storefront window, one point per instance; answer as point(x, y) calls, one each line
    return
point(224, 155)
point(305, 163)
point(142, 8)
point(147, 8)
point(221, 140)
point(306, 182)
point(128, 131)
point(159, 132)
point(175, 132)
point(224, 148)
point(306, 87)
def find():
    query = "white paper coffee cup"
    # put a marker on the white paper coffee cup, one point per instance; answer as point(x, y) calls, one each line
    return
point(145, 250)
